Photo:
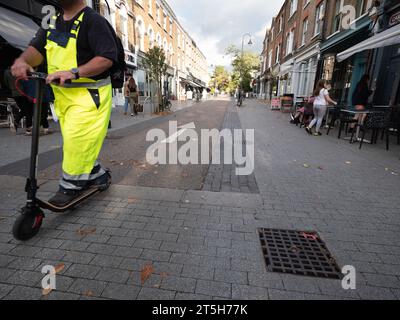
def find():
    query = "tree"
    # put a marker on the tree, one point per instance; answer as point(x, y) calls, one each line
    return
point(220, 79)
point(156, 68)
point(243, 66)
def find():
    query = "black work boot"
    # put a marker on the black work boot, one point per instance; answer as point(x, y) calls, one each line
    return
point(103, 182)
point(64, 197)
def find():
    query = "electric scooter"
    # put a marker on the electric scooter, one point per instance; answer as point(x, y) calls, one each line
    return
point(29, 222)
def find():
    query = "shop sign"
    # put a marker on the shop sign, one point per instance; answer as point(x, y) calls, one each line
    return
point(394, 19)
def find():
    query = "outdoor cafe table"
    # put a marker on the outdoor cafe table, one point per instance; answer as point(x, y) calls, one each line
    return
point(360, 121)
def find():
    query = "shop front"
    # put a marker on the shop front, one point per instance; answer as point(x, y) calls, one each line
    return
point(384, 50)
point(344, 74)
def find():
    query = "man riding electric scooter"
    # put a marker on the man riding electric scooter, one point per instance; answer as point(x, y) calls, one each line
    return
point(79, 50)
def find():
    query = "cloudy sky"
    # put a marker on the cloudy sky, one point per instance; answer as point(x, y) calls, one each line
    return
point(215, 24)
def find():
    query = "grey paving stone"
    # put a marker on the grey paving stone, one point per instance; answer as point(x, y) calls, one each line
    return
point(113, 275)
point(48, 253)
point(71, 245)
point(197, 272)
point(179, 284)
point(6, 259)
point(101, 248)
point(379, 280)
point(175, 247)
point(121, 292)
point(55, 295)
point(22, 277)
point(163, 236)
point(106, 261)
point(147, 244)
point(25, 263)
point(285, 295)
point(191, 297)
point(88, 288)
point(121, 241)
point(78, 257)
point(127, 252)
point(375, 293)
point(24, 293)
point(155, 255)
point(214, 288)
point(243, 292)
point(5, 289)
point(231, 276)
point(82, 271)
point(155, 294)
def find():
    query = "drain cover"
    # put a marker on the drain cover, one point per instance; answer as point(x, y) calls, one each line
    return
point(297, 252)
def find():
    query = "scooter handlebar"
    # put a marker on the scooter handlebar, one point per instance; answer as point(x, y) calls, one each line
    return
point(43, 76)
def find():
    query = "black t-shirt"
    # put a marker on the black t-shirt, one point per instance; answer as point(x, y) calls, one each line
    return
point(96, 38)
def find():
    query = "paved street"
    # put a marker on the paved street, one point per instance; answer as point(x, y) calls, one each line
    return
point(192, 230)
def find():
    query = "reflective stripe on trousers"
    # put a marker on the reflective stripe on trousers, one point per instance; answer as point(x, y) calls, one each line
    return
point(83, 109)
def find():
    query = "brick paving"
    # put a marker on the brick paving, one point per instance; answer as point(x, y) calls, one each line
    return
point(204, 245)
point(222, 177)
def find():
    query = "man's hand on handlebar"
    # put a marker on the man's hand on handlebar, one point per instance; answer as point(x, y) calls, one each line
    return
point(60, 77)
point(20, 69)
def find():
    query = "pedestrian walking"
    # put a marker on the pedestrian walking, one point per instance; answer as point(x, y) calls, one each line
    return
point(126, 94)
point(133, 96)
point(321, 101)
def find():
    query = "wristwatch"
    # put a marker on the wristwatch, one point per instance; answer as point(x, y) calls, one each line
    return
point(75, 72)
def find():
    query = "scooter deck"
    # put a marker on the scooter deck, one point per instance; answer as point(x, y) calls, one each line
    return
point(47, 205)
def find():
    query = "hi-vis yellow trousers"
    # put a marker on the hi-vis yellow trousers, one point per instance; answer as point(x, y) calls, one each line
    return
point(83, 108)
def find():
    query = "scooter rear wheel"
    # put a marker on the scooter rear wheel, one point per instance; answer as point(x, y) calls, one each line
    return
point(28, 224)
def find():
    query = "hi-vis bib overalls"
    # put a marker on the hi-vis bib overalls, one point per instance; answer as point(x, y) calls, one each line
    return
point(83, 109)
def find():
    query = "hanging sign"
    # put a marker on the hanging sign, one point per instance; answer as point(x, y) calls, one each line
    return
point(394, 19)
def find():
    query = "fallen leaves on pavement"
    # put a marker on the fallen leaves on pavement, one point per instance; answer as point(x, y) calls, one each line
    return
point(132, 200)
point(306, 165)
point(85, 232)
point(146, 272)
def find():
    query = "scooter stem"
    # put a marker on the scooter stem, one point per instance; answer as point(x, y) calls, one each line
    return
point(31, 186)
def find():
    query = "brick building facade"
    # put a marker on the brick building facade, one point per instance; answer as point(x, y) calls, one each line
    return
point(143, 24)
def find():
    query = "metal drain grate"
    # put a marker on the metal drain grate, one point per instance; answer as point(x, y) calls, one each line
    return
point(297, 252)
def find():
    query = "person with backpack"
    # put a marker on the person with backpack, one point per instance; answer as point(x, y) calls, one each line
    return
point(133, 96)
point(81, 51)
point(321, 101)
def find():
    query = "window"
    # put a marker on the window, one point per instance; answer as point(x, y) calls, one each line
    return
point(277, 53)
point(289, 42)
point(158, 13)
point(165, 22)
point(360, 8)
point(171, 27)
point(150, 7)
point(270, 59)
point(151, 37)
point(293, 7)
point(179, 39)
point(304, 34)
point(280, 24)
point(272, 34)
point(306, 2)
point(319, 16)
point(124, 27)
point(338, 16)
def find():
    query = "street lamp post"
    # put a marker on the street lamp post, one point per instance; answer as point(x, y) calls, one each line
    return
point(242, 55)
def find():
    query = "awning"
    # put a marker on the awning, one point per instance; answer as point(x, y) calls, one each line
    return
point(386, 38)
point(18, 30)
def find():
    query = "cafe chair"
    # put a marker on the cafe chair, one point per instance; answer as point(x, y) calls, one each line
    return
point(375, 122)
point(344, 119)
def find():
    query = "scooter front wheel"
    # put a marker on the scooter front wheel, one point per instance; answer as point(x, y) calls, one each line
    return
point(28, 224)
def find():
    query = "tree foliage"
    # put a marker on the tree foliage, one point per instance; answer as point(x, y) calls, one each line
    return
point(220, 79)
point(244, 65)
point(155, 67)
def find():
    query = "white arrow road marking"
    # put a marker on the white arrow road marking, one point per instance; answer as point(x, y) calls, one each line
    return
point(172, 138)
